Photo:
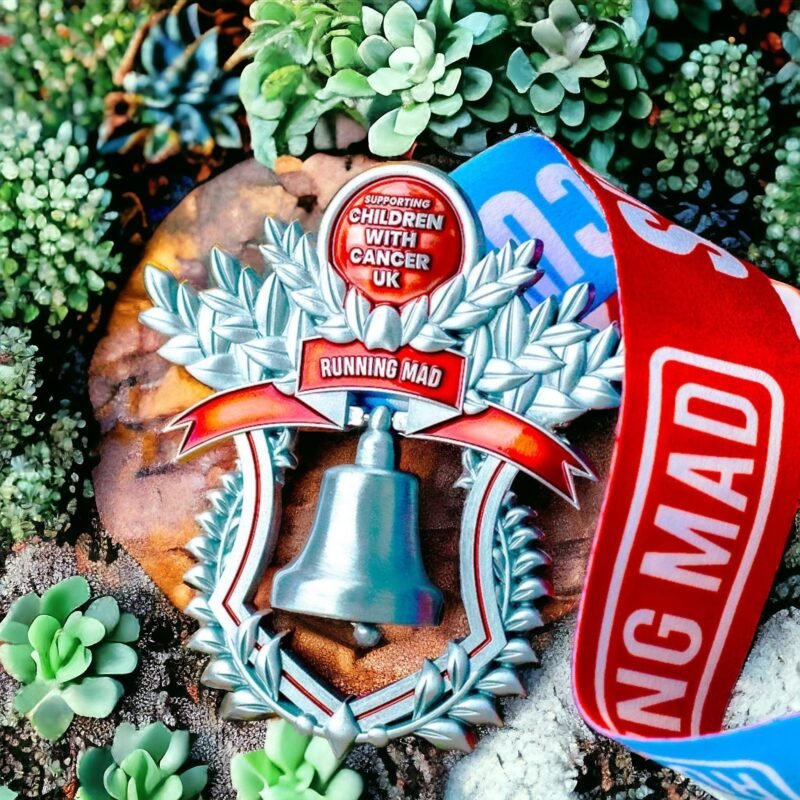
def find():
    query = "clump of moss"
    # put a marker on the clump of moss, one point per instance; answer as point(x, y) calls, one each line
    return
point(54, 215)
point(40, 452)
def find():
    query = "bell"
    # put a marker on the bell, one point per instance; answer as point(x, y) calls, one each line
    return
point(362, 561)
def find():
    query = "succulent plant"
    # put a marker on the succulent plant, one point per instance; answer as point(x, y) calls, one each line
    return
point(7, 794)
point(61, 55)
point(54, 214)
point(585, 78)
point(63, 656)
point(780, 212)
point(424, 74)
point(294, 46)
point(715, 117)
point(178, 96)
point(293, 766)
point(40, 453)
point(145, 764)
point(697, 13)
point(789, 75)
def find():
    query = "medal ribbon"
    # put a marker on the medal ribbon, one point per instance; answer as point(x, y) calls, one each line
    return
point(703, 486)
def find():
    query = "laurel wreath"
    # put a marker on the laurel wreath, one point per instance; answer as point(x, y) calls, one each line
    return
point(541, 362)
point(444, 712)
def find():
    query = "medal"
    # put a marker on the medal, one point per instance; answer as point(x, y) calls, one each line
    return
point(396, 324)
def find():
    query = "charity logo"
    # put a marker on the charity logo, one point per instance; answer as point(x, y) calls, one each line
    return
point(392, 324)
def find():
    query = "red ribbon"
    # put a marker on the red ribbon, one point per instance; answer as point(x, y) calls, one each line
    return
point(495, 430)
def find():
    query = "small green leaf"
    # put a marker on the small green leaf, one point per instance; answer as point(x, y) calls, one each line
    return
point(113, 658)
point(51, 717)
point(476, 84)
point(349, 83)
point(412, 120)
point(285, 746)
point(61, 600)
point(106, 611)
point(399, 23)
point(520, 71)
point(93, 697)
point(127, 629)
point(546, 94)
point(384, 140)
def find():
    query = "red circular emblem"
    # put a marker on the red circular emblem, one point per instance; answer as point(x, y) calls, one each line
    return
point(398, 232)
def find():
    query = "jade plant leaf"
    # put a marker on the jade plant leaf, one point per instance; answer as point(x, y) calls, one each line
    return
point(62, 655)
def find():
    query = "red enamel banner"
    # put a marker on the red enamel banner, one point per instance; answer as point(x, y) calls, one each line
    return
point(438, 377)
point(508, 436)
point(703, 485)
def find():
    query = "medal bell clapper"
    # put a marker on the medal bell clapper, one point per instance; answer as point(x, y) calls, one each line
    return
point(394, 324)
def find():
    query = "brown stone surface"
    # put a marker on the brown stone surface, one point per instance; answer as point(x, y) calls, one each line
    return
point(148, 502)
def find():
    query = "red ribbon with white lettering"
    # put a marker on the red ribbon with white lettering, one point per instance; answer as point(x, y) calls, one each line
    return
point(703, 485)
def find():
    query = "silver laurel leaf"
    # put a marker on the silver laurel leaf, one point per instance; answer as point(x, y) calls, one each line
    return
point(182, 349)
point(491, 295)
point(467, 316)
point(595, 393)
point(201, 549)
point(342, 730)
point(518, 652)
point(432, 339)
point(225, 270)
point(219, 300)
point(524, 395)
point(413, 316)
point(383, 329)
point(356, 311)
point(525, 618)
point(565, 333)
point(236, 329)
point(292, 275)
point(542, 317)
point(221, 673)
point(210, 343)
point(448, 734)
point(268, 666)
point(478, 345)
point(505, 258)
point(574, 356)
point(524, 254)
point(305, 253)
point(291, 236)
point(446, 298)
point(575, 302)
point(272, 307)
point(249, 284)
point(601, 347)
point(538, 359)
point(310, 301)
point(336, 329)
point(218, 372)
point(209, 640)
point(611, 370)
point(163, 321)
point(502, 682)
point(501, 375)
point(200, 577)
point(531, 588)
point(199, 609)
point(485, 271)
point(243, 705)
point(474, 402)
point(332, 288)
point(510, 329)
point(477, 709)
point(457, 665)
point(269, 353)
point(529, 560)
point(161, 286)
point(273, 230)
point(520, 277)
point(429, 688)
point(246, 635)
point(187, 304)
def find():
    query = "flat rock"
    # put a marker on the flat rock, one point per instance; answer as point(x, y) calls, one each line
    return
point(148, 501)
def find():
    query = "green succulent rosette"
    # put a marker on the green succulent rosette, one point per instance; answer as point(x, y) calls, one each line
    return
point(178, 98)
point(145, 764)
point(435, 74)
point(295, 47)
point(293, 766)
point(64, 656)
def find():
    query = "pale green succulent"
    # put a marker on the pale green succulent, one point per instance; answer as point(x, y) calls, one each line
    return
point(7, 794)
point(40, 453)
point(145, 764)
point(293, 766)
point(294, 47)
point(585, 78)
point(63, 656)
point(780, 212)
point(423, 74)
point(54, 215)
